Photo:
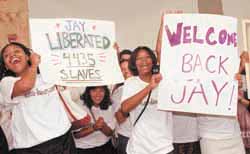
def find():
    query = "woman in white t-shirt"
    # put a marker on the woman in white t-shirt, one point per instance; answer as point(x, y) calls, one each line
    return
point(96, 138)
point(185, 127)
point(152, 134)
point(39, 123)
point(123, 124)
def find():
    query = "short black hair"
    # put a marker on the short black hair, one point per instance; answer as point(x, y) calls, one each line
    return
point(87, 100)
point(124, 52)
point(132, 65)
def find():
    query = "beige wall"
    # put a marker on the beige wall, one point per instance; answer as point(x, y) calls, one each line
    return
point(239, 9)
point(210, 6)
point(137, 21)
point(13, 21)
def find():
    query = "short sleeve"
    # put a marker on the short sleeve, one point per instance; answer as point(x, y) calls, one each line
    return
point(6, 89)
point(116, 99)
point(74, 108)
point(110, 119)
point(130, 88)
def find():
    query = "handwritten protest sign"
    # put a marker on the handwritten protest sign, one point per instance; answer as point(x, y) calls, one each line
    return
point(76, 52)
point(198, 63)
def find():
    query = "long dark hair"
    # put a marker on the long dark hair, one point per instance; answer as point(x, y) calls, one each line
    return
point(132, 65)
point(5, 72)
point(87, 100)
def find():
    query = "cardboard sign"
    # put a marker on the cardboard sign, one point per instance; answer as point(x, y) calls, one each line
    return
point(199, 61)
point(76, 52)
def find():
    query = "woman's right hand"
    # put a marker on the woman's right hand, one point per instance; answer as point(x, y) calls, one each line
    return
point(155, 80)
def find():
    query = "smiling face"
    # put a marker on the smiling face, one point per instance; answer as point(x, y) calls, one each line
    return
point(144, 63)
point(97, 95)
point(15, 59)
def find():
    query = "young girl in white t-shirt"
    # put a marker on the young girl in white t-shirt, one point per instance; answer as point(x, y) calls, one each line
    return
point(96, 138)
point(152, 134)
point(39, 123)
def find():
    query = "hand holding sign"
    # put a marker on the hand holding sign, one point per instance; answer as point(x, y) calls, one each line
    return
point(35, 59)
point(155, 80)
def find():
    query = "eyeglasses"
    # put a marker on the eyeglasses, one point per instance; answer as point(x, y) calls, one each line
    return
point(143, 58)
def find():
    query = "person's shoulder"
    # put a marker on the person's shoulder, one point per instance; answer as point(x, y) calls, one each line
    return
point(9, 79)
point(132, 79)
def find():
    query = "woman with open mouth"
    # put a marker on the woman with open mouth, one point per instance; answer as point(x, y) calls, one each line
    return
point(39, 121)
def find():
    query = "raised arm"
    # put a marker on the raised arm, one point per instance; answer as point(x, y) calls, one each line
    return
point(117, 49)
point(159, 40)
point(132, 102)
point(28, 78)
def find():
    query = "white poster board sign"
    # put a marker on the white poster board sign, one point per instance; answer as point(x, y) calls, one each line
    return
point(199, 60)
point(76, 52)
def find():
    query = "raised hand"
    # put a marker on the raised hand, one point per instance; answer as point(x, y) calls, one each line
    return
point(116, 47)
point(155, 80)
point(35, 59)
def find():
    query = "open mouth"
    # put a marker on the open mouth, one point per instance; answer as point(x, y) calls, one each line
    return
point(144, 66)
point(15, 60)
point(98, 99)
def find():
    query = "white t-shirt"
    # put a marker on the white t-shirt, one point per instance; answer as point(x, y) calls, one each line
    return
point(218, 127)
point(96, 138)
point(5, 125)
point(125, 127)
point(185, 128)
point(38, 116)
point(153, 132)
point(5, 117)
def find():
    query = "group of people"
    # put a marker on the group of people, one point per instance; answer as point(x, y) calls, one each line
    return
point(123, 120)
